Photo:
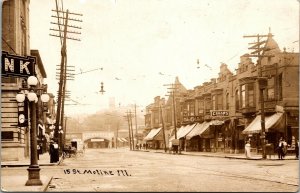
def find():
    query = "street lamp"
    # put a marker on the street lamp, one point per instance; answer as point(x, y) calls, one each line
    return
point(33, 169)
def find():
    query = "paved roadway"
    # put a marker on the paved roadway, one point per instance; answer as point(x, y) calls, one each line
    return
point(115, 170)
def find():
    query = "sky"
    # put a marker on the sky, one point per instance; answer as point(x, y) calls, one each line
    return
point(142, 45)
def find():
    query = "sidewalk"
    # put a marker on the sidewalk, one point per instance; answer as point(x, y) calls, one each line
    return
point(16, 183)
point(254, 156)
point(44, 160)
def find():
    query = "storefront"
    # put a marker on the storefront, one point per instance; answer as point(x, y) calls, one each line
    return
point(181, 135)
point(274, 129)
point(194, 140)
point(154, 139)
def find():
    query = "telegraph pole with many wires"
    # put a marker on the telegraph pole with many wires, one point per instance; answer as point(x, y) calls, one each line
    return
point(163, 128)
point(130, 118)
point(172, 94)
point(63, 20)
point(262, 81)
point(130, 130)
point(129, 136)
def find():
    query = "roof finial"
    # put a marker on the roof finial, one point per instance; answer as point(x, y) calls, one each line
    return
point(270, 34)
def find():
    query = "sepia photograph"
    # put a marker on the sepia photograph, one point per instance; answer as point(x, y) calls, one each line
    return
point(150, 96)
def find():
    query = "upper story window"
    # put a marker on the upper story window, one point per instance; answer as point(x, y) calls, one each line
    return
point(214, 102)
point(280, 86)
point(251, 101)
point(237, 100)
point(219, 102)
point(200, 107)
point(207, 104)
point(243, 96)
point(270, 89)
point(227, 101)
point(247, 95)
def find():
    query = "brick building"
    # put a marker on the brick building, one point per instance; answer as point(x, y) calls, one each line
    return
point(15, 140)
point(227, 109)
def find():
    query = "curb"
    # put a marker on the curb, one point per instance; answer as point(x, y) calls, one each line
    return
point(47, 184)
point(218, 156)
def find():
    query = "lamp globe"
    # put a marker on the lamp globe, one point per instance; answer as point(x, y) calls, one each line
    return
point(32, 81)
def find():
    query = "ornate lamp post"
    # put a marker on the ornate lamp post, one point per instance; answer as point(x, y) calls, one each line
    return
point(33, 169)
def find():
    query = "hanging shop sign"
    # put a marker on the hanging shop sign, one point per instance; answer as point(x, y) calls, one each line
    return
point(18, 66)
point(219, 113)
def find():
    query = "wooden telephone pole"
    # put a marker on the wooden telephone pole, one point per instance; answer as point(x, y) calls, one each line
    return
point(63, 21)
point(173, 93)
point(262, 81)
point(163, 128)
point(130, 130)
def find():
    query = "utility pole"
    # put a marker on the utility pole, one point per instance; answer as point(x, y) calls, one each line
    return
point(130, 117)
point(163, 128)
point(173, 89)
point(262, 81)
point(135, 119)
point(62, 20)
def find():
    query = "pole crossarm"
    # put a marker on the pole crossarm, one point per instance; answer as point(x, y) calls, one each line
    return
point(259, 53)
point(79, 20)
point(71, 13)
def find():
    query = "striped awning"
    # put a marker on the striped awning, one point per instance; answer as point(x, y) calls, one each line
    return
point(198, 130)
point(273, 122)
point(152, 134)
point(183, 131)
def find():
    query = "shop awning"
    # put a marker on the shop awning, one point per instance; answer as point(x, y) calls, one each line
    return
point(152, 134)
point(183, 131)
point(125, 140)
point(119, 139)
point(198, 130)
point(216, 122)
point(274, 121)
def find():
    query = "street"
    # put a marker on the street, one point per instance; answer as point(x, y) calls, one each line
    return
point(103, 170)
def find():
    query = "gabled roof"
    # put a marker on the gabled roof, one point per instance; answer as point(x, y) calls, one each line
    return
point(180, 90)
point(271, 46)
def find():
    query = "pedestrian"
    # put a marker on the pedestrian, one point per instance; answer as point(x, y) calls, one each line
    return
point(280, 148)
point(140, 146)
point(297, 149)
point(247, 149)
point(54, 154)
point(146, 146)
point(51, 151)
point(284, 149)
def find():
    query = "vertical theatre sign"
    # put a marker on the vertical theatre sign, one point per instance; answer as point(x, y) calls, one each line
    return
point(17, 66)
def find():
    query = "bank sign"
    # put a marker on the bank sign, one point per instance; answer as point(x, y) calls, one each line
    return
point(219, 113)
point(13, 65)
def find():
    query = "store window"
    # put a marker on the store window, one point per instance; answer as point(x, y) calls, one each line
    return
point(7, 135)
